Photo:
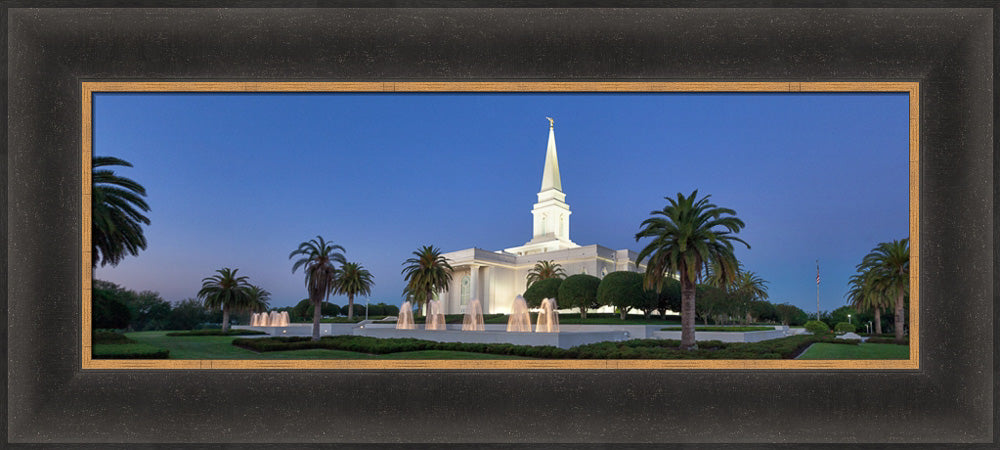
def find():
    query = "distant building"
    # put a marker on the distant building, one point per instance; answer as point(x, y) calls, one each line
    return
point(496, 277)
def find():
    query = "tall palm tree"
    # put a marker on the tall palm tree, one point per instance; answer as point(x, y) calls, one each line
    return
point(685, 239)
point(318, 257)
point(427, 273)
point(864, 295)
point(259, 299)
point(353, 280)
point(544, 270)
point(116, 223)
point(889, 263)
point(226, 291)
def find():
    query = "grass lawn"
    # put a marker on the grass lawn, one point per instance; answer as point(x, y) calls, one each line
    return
point(861, 351)
point(220, 347)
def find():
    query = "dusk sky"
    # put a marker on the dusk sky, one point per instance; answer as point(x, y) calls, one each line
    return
point(239, 180)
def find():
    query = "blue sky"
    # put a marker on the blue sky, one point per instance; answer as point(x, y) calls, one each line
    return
point(239, 180)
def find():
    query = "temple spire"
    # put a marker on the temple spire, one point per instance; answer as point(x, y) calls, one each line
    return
point(550, 175)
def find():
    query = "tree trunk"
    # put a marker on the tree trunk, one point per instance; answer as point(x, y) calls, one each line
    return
point(624, 313)
point(900, 317)
point(878, 321)
point(687, 315)
point(350, 307)
point(317, 314)
point(225, 318)
point(583, 312)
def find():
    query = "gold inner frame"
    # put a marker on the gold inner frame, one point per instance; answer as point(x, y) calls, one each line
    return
point(911, 88)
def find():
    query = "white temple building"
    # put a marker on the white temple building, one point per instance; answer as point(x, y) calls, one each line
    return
point(496, 277)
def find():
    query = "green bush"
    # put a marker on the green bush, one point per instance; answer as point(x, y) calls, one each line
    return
point(817, 327)
point(623, 289)
point(109, 337)
point(886, 340)
point(844, 327)
point(732, 329)
point(788, 347)
point(215, 332)
point(129, 351)
point(579, 291)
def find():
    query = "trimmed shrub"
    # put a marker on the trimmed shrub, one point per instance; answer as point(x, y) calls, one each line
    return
point(887, 340)
point(817, 327)
point(109, 337)
point(216, 332)
point(844, 327)
point(623, 289)
point(787, 348)
point(129, 351)
point(727, 329)
point(579, 291)
point(542, 289)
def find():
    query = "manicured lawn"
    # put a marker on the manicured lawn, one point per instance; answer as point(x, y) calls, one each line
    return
point(220, 347)
point(861, 351)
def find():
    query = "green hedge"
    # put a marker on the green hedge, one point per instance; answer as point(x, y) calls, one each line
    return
point(844, 327)
point(733, 329)
point(109, 337)
point(129, 351)
point(887, 340)
point(231, 332)
point(786, 348)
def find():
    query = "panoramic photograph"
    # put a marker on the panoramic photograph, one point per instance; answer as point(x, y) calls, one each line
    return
point(500, 226)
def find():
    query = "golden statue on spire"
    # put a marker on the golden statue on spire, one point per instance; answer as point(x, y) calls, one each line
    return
point(552, 123)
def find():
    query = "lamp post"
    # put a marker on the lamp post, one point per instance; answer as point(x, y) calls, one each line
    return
point(848, 318)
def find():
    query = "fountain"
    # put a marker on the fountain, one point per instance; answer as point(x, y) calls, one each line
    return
point(274, 319)
point(405, 320)
point(520, 319)
point(548, 317)
point(473, 320)
point(435, 317)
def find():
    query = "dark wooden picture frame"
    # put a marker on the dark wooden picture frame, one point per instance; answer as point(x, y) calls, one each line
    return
point(950, 52)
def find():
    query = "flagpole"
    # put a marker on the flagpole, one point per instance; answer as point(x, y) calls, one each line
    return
point(817, 289)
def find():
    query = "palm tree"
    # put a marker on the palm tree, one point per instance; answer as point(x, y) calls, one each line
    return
point(425, 274)
point(116, 223)
point(258, 299)
point(750, 287)
point(318, 257)
point(226, 291)
point(863, 295)
point(544, 270)
point(353, 280)
point(889, 263)
point(685, 240)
